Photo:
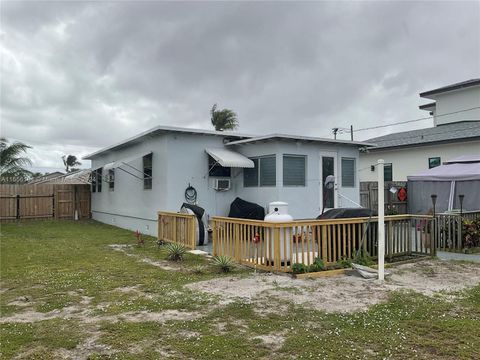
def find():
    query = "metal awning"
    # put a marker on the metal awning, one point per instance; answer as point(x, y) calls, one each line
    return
point(229, 158)
point(125, 161)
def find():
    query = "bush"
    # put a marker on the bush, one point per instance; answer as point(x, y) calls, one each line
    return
point(345, 263)
point(299, 268)
point(175, 252)
point(318, 265)
point(365, 259)
point(471, 233)
point(223, 263)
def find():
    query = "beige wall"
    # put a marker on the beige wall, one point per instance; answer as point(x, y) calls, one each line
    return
point(409, 161)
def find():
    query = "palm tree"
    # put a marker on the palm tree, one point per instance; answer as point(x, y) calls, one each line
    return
point(225, 119)
point(12, 162)
point(70, 161)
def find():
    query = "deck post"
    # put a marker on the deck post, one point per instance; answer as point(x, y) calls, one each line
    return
point(214, 237)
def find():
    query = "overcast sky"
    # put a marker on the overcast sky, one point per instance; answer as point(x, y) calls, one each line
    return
point(78, 76)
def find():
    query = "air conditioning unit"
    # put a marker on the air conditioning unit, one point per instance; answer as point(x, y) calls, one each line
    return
point(221, 184)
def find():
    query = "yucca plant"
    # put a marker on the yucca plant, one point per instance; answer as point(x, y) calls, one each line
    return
point(223, 263)
point(175, 252)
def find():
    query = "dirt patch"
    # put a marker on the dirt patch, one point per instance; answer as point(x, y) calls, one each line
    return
point(342, 293)
point(85, 349)
point(162, 264)
point(272, 341)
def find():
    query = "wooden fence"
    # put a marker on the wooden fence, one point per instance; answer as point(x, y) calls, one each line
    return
point(30, 201)
point(449, 230)
point(177, 228)
point(369, 196)
point(277, 246)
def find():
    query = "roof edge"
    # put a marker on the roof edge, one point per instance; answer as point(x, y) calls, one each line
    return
point(299, 138)
point(456, 86)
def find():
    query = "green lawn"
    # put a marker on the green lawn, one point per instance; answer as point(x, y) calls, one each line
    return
point(84, 299)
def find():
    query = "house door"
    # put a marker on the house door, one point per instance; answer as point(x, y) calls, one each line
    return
point(328, 166)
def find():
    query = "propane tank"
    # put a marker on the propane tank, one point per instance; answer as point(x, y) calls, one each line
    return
point(278, 212)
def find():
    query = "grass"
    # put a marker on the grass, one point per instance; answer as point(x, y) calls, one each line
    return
point(68, 266)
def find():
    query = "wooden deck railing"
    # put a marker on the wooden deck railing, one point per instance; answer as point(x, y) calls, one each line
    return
point(177, 228)
point(277, 246)
point(449, 235)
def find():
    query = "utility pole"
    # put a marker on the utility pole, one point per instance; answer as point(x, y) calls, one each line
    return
point(351, 132)
point(335, 130)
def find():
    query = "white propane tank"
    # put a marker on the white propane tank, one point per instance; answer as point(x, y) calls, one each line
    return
point(278, 212)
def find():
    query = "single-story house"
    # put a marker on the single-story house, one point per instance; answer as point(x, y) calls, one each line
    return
point(163, 167)
point(455, 132)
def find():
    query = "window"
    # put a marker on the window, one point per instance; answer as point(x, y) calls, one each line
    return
point(147, 172)
point(434, 162)
point(250, 175)
point(111, 179)
point(388, 172)
point(348, 172)
point(215, 169)
point(99, 179)
point(268, 171)
point(263, 174)
point(93, 177)
point(294, 170)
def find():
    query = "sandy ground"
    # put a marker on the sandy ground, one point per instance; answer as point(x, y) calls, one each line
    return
point(342, 293)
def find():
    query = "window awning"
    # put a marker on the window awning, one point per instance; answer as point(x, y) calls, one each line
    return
point(229, 158)
point(125, 161)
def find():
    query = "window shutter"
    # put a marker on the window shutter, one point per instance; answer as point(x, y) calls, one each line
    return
point(348, 172)
point(268, 175)
point(293, 170)
point(250, 175)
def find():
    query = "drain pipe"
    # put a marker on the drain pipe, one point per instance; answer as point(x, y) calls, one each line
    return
point(381, 221)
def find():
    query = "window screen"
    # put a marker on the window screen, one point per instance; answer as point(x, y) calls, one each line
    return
point(388, 172)
point(294, 170)
point(434, 162)
point(215, 169)
point(250, 175)
point(93, 176)
point(268, 175)
point(348, 172)
point(99, 180)
point(147, 172)
point(111, 179)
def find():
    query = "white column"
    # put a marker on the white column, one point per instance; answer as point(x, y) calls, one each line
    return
point(381, 221)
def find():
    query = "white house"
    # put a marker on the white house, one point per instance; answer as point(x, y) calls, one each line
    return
point(152, 171)
point(456, 132)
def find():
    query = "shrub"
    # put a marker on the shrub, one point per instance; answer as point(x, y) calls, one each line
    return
point(175, 252)
point(318, 265)
point(299, 268)
point(223, 263)
point(345, 263)
point(471, 233)
point(365, 259)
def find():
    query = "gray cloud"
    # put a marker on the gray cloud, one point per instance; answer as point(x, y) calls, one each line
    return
point(78, 76)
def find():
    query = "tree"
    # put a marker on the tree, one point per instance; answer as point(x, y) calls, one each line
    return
point(225, 119)
point(70, 161)
point(12, 162)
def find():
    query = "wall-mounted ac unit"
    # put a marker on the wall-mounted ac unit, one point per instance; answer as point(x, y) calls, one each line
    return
point(221, 184)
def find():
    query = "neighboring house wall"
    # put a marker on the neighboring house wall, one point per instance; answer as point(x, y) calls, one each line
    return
point(180, 159)
point(457, 101)
point(410, 160)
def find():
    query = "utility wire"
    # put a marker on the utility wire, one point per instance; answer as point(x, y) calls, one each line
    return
point(414, 120)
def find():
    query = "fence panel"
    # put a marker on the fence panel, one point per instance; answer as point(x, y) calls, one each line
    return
point(177, 228)
point(278, 246)
point(31, 201)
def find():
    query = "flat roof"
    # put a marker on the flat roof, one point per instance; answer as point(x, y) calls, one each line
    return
point(456, 86)
point(164, 129)
point(298, 138)
point(236, 138)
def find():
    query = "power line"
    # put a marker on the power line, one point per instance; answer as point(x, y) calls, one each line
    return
point(414, 120)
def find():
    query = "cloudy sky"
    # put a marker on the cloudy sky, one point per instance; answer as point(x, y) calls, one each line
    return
point(78, 76)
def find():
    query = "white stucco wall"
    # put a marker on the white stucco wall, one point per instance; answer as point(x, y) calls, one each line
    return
point(180, 159)
point(408, 161)
point(456, 101)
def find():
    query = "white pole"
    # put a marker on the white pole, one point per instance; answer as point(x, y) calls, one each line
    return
point(381, 221)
